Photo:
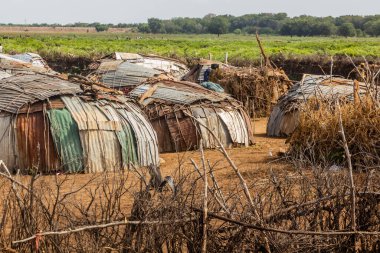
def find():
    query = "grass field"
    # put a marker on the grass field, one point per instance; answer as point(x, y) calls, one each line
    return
point(242, 47)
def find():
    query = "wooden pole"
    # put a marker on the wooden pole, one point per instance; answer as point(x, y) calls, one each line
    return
point(205, 209)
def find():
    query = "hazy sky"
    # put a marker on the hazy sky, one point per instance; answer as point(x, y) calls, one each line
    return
point(126, 11)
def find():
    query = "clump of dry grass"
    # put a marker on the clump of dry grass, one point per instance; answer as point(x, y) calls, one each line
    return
point(257, 88)
point(318, 139)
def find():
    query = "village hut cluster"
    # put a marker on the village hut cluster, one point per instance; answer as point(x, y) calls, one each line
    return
point(50, 124)
point(131, 107)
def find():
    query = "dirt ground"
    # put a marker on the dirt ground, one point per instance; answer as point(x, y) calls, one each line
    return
point(254, 162)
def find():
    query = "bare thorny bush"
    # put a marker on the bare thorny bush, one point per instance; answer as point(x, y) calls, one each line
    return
point(301, 202)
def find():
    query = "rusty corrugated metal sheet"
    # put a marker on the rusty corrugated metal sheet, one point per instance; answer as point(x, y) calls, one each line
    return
point(16, 91)
point(35, 144)
point(163, 135)
point(7, 140)
point(183, 133)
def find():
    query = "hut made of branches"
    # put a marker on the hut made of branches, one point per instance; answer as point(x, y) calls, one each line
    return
point(184, 113)
point(125, 71)
point(285, 115)
point(48, 124)
point(257, 88)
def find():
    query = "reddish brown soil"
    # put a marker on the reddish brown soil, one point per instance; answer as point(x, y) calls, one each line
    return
point(254, 162)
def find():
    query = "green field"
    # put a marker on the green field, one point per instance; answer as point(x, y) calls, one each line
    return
point(242, 47)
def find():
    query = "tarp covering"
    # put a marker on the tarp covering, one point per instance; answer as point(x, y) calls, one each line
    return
point(65, 134)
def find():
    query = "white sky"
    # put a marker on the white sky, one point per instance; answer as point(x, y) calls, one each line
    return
point(127, 11)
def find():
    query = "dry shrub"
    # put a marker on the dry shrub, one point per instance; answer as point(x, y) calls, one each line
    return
point(318, 140)
point(317, 201)
point(257, 88)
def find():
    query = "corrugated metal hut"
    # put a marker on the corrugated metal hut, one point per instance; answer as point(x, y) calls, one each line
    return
point(171, 106)
point(49, 124)
point(285, 115)
point(124, 71)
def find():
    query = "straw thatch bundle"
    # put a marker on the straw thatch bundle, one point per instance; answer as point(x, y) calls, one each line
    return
point(257, 88)
point(318, 139)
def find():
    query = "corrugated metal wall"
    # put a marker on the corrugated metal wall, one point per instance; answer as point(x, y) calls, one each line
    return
point(35, 144)
point(113, 135)
point(7, 140)
point(177, 132)
point(101, 147)
point(146, 138)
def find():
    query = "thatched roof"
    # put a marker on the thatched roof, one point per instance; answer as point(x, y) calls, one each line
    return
point(284, 117)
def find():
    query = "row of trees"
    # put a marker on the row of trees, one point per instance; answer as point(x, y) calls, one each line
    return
point(280, 24)
point(265, 23)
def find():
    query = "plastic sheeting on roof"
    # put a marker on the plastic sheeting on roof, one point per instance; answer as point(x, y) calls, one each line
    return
point(35, 59)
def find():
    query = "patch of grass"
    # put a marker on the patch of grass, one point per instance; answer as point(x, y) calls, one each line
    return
point(243, 47)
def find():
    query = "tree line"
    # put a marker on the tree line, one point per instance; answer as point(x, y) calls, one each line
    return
point(264, 23)
point(268, 23)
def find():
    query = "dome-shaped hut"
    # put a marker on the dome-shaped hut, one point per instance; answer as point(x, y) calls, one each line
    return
point(285, 115)
point(124, 71)
point(49, 124)
point(183, 113)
